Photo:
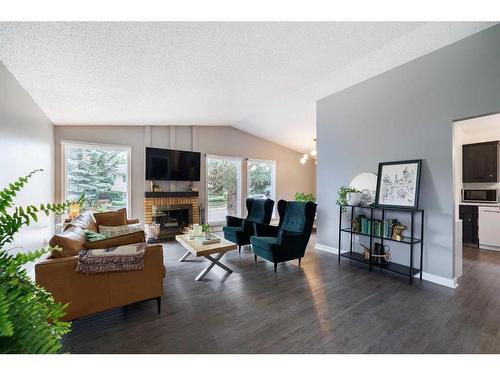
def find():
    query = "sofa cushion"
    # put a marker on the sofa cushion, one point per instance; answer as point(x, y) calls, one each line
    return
point(120, 229)
point(111, 218)
point(125, 239)
point(70, 241)
point(268, 243)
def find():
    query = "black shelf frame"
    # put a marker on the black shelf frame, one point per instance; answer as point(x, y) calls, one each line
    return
point(411, 241)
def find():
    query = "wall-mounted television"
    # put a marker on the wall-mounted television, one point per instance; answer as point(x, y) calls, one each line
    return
point(172, 165)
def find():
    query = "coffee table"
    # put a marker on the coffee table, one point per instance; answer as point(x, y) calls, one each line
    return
point(197, 249)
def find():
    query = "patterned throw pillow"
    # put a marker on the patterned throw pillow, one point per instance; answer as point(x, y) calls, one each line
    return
point(91, 236)
point(120, 230)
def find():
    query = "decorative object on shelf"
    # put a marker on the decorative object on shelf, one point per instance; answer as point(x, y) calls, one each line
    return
point(398, 184)
point(354, 198)
point(366, 182)
point(206, 229)
point(397, 231)
point(342, 195)
point(380, 255)
point(367, 197)
point(305, 197)
point(152, 231)
point(356, 225)
point(313, 153)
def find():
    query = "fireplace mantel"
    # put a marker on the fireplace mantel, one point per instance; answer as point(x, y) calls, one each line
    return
point(170, 194)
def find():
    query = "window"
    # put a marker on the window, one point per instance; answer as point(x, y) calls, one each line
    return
point(261, 179)
point(101, 172)
point(223, 188)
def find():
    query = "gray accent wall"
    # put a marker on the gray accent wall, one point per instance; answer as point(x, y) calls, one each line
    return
point(26, 143)
point(291, 176)
point(407, 113)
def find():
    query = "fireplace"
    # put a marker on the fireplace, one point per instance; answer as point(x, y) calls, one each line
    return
point(172, 218)
point(173, 210)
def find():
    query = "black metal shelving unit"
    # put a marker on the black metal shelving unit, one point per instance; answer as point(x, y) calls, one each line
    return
point(411, 241)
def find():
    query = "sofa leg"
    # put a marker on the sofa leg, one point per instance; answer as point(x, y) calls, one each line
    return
point(255, 257)
point(275, 267)
point(158, 303)
point(299, 261)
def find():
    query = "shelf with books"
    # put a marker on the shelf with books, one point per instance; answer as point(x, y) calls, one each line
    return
point(375, 226)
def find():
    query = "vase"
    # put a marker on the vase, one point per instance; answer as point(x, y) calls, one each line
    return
point(207, 235)
point(354, 199)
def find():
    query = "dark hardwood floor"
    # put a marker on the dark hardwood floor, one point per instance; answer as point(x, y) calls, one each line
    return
point(319, 308)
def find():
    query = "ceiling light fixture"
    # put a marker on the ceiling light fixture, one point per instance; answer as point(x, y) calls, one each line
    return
point(313, 154)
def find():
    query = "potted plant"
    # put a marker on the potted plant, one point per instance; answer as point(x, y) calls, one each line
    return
point(29, 316)
point(348, 195)
point(305, 197)
point(206, 229)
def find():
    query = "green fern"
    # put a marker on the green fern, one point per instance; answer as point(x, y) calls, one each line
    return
point(29, 316)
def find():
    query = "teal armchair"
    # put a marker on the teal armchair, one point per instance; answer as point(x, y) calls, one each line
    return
point(289, 239)
point(239, 230)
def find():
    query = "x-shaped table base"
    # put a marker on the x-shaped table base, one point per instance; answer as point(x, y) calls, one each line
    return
point(213, 262)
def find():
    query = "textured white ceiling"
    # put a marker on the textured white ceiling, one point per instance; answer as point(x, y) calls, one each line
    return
point(263, 78)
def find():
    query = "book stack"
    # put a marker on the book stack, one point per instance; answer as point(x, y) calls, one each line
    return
point(380, 228)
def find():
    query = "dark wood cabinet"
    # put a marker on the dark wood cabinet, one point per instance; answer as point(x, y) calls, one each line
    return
point(480, 162)
point(469, 216)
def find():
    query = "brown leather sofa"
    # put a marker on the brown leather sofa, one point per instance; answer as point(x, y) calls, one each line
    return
point(88, 294)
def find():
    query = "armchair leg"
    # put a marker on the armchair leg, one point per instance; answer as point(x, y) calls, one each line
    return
point(239, 249)
point(299, 261)
point(255, 257)
point(275, 267)
point(158, 303)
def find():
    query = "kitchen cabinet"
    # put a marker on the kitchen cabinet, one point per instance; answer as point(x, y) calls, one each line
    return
point(489, 226)
point(480, 162)
point(469, 216)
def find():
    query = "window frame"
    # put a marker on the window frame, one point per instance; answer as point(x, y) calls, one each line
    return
point(64, 175)
point(274, 168)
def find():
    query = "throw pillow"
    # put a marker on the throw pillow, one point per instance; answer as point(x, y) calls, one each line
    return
point(92, 236)
point(114, 231)
point(111, 218)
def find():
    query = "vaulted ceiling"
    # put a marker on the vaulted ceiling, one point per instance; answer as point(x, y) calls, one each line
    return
point(263, 78)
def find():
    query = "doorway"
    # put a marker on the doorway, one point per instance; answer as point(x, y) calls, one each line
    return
point(223, 182)
point(476, 170)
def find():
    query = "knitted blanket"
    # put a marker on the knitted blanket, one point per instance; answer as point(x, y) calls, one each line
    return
point(120, 258)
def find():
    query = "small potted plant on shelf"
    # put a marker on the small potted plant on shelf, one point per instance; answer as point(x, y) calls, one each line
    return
point(206, 229)
point(348, 195)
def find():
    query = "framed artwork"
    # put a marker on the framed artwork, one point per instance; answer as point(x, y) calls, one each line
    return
point(398, 184)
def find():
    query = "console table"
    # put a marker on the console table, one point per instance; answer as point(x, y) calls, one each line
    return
point(411, 241)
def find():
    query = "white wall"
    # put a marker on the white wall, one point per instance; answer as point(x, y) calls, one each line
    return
point(26, 143)
point(291, 176)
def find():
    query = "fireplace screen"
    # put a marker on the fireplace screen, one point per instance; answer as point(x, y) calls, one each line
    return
point(172, 218)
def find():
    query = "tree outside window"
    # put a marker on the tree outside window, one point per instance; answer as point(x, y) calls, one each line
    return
point(100, 173)
point(261, 179)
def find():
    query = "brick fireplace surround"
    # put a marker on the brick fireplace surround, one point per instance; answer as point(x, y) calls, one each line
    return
point(171, 198)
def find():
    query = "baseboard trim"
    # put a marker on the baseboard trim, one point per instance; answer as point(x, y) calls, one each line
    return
point(450, 283)
point(328, 249)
